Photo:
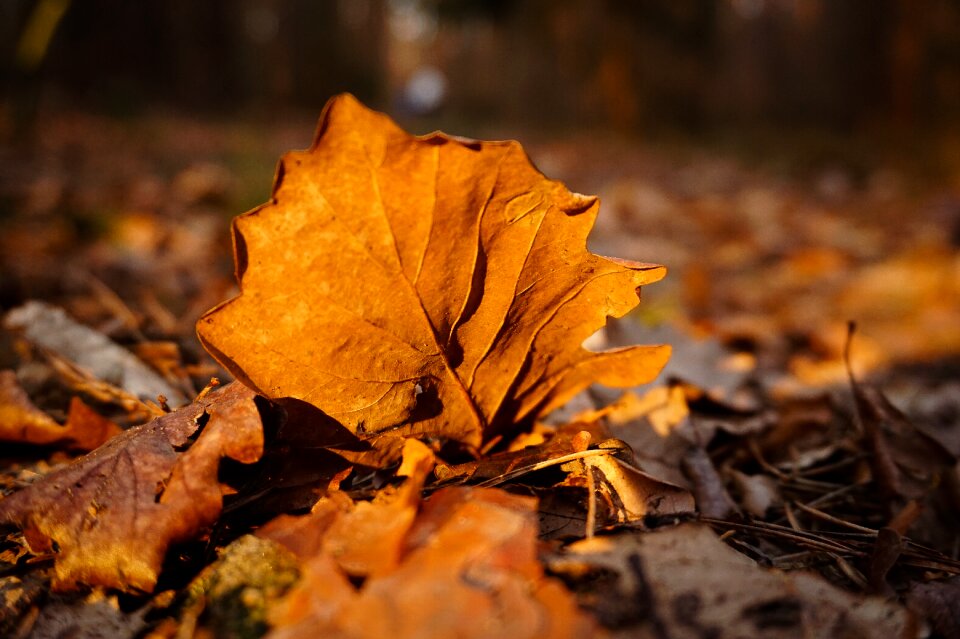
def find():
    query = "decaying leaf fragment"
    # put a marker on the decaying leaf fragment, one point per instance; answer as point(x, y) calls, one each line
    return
point(22, 422)
point(110, 515)
point(428, 284)
point(626, 494)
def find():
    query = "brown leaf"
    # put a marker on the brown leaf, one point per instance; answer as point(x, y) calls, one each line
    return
point(712, 497)
point(368, 540)
point(603, 485)
point(22, 422)
point(87, 428)
point(433, 284)
point(632, 496)
point(939, 602)
point(93, 615)
point(504, 466)
point(111, 514)
point(686, 580)
point(886, 551)
point(906, 461)
point(758, 493)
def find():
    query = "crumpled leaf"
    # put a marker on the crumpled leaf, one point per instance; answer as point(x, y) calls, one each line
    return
point(626, 494)
point(686, 580)
point(433, 284)
point(615, 490)
point(504, 466)
point(52, 329)
point(464, 563)
point(467, 568)
point(365, 537)
point(109, 516)
point(22, 422)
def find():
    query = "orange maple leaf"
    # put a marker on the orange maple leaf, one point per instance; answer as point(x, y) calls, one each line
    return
point(423, 285)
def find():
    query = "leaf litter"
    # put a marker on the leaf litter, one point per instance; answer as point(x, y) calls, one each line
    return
point(396, 472)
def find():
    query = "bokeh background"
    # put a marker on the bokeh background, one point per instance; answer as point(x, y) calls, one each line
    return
point(795, 163)
point(698, 67)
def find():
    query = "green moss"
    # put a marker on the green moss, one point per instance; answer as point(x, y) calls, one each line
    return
point(231, 597)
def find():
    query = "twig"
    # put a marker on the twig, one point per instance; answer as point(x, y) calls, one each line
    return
point(819, 514)
point(825, 498)
point(843, 463)
point(591, 522)
point(797, 536)
point(852, 573)
point(563, 459)
point(914, 555)
point(754, 449)
point(791, 518)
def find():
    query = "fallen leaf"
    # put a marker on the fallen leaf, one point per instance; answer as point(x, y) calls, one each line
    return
point(712, 497)
point(22, 422)
point(906, 461)
point(886, 551)
point(657, 427)
point(368, 539)
point(81, 381)
point(110, 516)
point(93, 615)
point(501, 467)
point(431, 285)
point(633, 496)
point(364, 537)
point(758, 493)
point(469, 569)
point(686, 580)
point(602, 479)
point(304, 454)
point(50, 328)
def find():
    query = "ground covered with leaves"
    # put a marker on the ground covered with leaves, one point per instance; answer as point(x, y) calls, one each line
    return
point(436, 428)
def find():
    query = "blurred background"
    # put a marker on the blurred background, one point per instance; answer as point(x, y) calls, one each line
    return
point(795, 163)
point(694, 66)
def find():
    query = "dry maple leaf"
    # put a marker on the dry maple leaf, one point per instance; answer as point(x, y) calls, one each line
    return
point(391, 273)
point(111, 514)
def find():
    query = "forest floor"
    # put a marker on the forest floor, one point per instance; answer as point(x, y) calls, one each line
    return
point(798, 467)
